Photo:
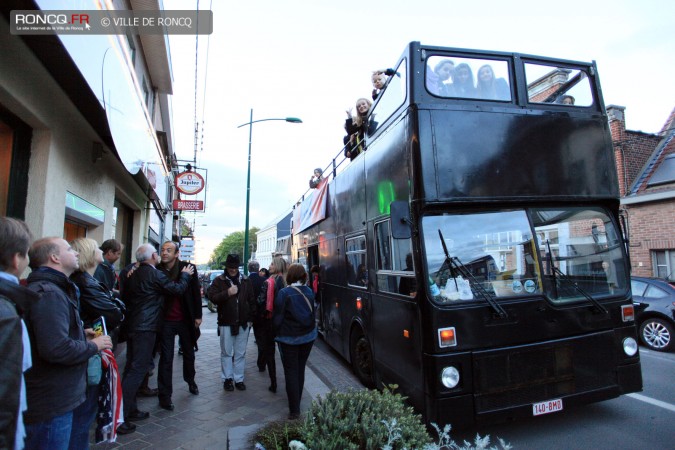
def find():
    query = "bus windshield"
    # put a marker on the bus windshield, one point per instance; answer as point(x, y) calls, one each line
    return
point(566, 254)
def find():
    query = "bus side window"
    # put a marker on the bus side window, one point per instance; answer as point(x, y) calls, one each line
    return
point(393, 256)
point(355, 256)
point(563, 86)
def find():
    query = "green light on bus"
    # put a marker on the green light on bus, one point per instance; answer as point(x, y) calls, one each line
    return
point(385, 195)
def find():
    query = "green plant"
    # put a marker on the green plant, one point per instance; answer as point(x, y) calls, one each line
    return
point(363, 420)
point(277, 435)
point(354, 420)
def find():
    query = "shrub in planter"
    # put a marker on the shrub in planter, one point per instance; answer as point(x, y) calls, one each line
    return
point(277, 435)
point(361, 420)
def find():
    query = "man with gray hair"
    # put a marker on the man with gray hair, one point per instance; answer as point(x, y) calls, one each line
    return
point(144, 292)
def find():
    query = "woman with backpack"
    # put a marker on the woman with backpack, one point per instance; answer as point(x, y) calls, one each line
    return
point(268, 292)
point(295, 331)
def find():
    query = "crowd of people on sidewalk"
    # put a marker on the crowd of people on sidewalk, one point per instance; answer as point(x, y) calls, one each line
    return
point(60, 329)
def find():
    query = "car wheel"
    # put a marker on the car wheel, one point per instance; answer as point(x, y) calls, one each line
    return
point(362, 360)
point(657, 334)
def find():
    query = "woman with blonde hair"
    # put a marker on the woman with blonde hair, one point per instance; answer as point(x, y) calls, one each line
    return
point(95, 301)
point(95, 298)
point(356, 128)
point(273, 284)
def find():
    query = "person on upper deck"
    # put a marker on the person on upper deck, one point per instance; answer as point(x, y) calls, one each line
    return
point(489, 87)
point(379, 80)
point(316, 179)
point(436, 78)
point(565, 100)
point(356, 127)
point(462, 82)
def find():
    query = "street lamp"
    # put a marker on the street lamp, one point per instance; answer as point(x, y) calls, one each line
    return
point(248, 177)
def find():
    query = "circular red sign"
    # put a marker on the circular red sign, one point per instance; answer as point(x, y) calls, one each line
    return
point(189, 183)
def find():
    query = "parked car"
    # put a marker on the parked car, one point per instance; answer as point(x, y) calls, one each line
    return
point(654, 301)
point(207, 279)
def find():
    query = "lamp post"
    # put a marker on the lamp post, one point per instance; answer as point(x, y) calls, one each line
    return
point(248, 176)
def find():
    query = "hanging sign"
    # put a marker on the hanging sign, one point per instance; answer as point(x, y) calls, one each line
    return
point(188, 205)
point(189, 183)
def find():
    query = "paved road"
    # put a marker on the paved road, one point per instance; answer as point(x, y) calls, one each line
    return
point(204, 421)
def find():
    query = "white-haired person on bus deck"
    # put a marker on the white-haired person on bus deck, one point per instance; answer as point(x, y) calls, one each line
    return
point(379, 79)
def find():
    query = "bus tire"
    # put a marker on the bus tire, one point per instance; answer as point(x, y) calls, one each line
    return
point(362, 359)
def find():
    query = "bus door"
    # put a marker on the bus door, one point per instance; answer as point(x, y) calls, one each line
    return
point(356, 307)
point(396, 333)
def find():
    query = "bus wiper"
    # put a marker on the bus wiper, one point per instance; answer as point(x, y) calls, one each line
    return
point(455, 265)
point(564, 277)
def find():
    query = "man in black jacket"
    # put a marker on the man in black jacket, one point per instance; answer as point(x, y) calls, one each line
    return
point(105, 272)
point(145, 291)
point(14, 343)
point(56, 383)
point(182, 317)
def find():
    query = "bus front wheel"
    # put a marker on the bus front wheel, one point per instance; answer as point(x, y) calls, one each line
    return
point(362, 360)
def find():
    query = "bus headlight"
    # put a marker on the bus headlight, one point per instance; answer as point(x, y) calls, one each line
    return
point(630, 347)
point(450, 377)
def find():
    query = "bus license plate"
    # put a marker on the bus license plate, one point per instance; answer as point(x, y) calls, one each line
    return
point(547, 407)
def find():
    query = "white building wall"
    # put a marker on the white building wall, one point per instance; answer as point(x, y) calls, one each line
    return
point(61, 150)
point(267, 241)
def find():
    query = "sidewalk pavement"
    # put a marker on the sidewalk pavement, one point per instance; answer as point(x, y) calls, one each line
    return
point(216, 419)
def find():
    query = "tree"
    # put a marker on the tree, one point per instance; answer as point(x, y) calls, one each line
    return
point(233, 243)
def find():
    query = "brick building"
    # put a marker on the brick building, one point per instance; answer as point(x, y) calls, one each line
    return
point(646, 168)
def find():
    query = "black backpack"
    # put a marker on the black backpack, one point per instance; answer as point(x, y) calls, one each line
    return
point(262, 300)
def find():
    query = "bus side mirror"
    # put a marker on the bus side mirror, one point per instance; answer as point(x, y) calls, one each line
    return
point(400, 219)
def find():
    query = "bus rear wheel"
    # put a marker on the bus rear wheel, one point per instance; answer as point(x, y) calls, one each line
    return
point(362, 360)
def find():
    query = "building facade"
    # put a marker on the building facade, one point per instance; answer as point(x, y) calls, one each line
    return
point(85, 132)
point(646, 168)
point(274, 239)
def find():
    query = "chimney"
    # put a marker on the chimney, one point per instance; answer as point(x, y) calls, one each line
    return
point(617, 122)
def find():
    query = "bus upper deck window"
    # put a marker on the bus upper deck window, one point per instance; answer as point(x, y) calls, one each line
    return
point(470, 78)
point(558, 85)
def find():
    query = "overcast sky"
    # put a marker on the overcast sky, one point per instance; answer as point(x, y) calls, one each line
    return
point(313, 59)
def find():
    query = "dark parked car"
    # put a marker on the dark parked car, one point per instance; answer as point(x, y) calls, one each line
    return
point(207, 279)
point(654, 301)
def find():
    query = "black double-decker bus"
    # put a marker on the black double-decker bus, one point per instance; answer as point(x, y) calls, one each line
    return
point(473, 255)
